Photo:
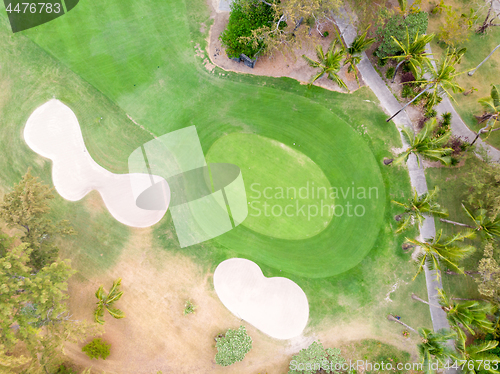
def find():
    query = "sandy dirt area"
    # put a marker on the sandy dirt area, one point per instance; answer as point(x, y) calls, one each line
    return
point(156, 336)
point(277, 65)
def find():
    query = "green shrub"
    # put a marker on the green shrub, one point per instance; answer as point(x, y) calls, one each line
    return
point(418, 100)
point(390, 72)
point(396, 26)
point(189, 307)
point(446, 120)
point(232, 347)
point(246, 15)
point(431, 113)
point(407, 92)
point(326, 33)
point(308, 360)
point(382, 62)
point(97, 348)
point(62, 369)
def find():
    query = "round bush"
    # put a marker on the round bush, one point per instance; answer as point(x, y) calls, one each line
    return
point(97, 348)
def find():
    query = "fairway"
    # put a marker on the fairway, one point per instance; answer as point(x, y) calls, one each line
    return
point(106, 43)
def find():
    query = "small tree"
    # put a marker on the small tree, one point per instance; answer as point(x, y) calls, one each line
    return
point(491, 17)
point(491, 117)
point(396, 27)
point(97, 349)
point(489, 279)
point(106, 302)
point(457, 26)
point(232, 346)
point(316, 359)
point(246, 16)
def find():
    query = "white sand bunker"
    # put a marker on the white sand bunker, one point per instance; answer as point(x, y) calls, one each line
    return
point(53, 131)
point(276, 306)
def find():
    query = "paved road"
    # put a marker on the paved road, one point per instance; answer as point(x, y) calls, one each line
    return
point(458, 126)
point(417, 175)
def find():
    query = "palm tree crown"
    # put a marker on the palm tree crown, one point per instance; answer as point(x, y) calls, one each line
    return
point(412, 53)
point(106, 301)
point(474, 356)
point(329, 64)
point(433, 345)
point(469, 315)
point(353, 56)
point(443, 77)
point(444, 249)
point(419, 206)
point(491, 105)
point(426, 144)
point(483, 223)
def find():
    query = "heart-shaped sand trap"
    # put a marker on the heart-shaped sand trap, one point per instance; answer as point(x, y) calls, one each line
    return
point(276, 306)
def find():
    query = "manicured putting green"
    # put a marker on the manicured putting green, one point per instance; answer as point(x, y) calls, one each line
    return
point(278, 180)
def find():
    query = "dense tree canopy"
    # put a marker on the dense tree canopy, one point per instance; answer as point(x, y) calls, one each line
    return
point(33, 311)
point(246, 16)
point(396, 28)
point(27, 208)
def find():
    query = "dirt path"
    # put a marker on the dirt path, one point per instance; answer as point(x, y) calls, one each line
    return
point(156, 336)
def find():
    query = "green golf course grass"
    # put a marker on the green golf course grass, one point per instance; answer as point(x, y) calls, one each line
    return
point(124, 58)
point(277, 179)
point(357, 193)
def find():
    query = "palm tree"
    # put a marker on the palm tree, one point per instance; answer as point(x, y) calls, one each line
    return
point(106, 301)
point(426, 145)
point(482, 223)
point(442, 79)
point(353, 56)
point(468, 316)
point(492, 116)
point(416, 209)
point(412, 53)
point(329, 63)
point(474, 356)
point(444, 249)
point(433, 345)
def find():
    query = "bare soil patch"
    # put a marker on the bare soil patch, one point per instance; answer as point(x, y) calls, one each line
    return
point(278, 65)
point(156, 336)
